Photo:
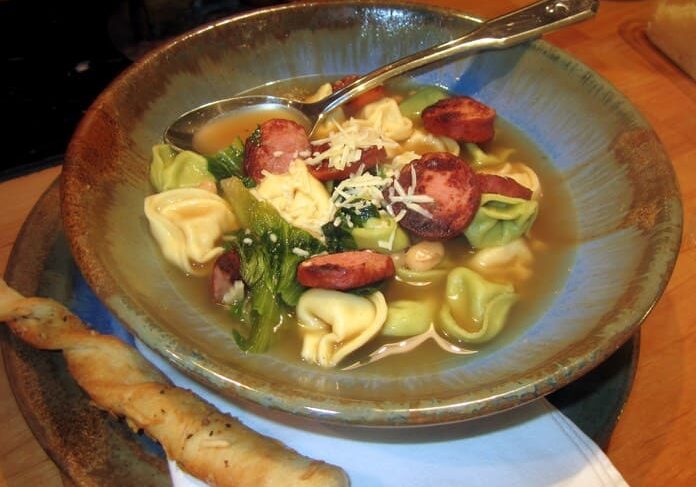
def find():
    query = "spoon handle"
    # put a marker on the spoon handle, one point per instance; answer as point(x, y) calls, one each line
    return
point(498, 33)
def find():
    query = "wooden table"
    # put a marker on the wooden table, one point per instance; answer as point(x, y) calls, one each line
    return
point(655, 441)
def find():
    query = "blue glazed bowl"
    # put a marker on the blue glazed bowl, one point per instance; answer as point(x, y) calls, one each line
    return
point(620, 180)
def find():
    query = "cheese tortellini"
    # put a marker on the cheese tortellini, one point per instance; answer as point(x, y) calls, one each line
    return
point(407, 317)
point(298, 196)
point(171, 170)
point(385, 116)
point(381, 234)
point(510, 262)
point(188, 224)
point(521, 173)
point(421, 142)
point(475, 310)
point(322, 92)
point(500, 219)
point(334, 323)
point(483, 159)
point(412, 106)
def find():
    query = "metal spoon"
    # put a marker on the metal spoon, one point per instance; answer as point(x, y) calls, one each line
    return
point(498, 33)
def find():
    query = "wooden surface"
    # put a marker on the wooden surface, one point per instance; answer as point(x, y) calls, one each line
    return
point(655, 441)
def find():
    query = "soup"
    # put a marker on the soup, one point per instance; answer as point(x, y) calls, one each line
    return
point(441, 291)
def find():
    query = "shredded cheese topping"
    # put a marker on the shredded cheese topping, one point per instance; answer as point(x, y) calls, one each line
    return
point(412, 201)
point(347, 142)
point(360, 190)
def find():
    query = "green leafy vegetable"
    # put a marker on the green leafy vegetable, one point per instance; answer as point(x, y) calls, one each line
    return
point(270, 250)
point(229, 162)
point(339, 237)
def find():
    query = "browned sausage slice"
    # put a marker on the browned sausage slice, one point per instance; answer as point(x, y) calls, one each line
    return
point(353, 106)
point(345, 270)
point(279, 142)
point(492, 183)
point(460, 118)
point(370, 157)
point(451, 183)
point(226, 271)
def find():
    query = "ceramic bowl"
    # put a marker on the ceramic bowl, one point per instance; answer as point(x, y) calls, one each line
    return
point(620, 180)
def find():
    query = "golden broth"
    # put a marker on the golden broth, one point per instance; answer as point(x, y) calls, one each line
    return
point(552, 242)
point(221, 132)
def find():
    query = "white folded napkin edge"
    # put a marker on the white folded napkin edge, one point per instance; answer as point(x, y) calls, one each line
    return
point(534, 445)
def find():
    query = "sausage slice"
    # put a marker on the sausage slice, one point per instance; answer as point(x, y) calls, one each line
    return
point(461, 118)
point(345, 270)
point(279, 142)
point(226, 271)
point(370, 158)
point(451, 183)
point(493, 183)
point(353, 106)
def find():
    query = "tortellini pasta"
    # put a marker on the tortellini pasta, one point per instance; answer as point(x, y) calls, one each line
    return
point(408, 318)
point(300, 198)
point(421, 142)
point(511, 262)
point(171, 170)
point(385, 116)
point(481, 158)
point(381, 234)
point(500, 219)
point(421, 278)
point(412, 106)
point(475, 310)
point(322, 92)
point(336, 117)
point(188, 223)
point(521, 173)
point(334, 324)
point(401, 160)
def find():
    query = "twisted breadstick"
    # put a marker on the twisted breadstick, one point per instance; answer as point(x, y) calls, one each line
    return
point(210, 445)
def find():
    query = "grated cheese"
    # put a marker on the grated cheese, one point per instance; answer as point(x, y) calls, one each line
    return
point(360, 190)
point(409, 198)
point(300, 252)
point(235, 294)
point(347, 142)
point(388, 244)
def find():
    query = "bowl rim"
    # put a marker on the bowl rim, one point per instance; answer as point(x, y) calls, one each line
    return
point(504, 395)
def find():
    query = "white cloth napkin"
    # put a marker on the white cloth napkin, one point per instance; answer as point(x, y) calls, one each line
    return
point(531, 446)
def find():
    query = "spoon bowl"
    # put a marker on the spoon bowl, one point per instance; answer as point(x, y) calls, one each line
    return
point(507, 30)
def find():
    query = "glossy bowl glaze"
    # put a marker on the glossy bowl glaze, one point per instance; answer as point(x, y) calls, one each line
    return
point(620, 181)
